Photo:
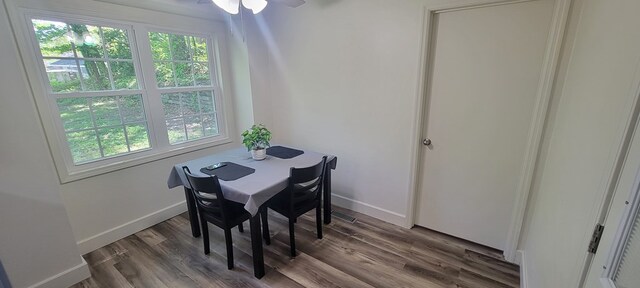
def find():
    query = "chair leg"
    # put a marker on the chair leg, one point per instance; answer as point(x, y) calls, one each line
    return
point(319, 221)
point(292, 238)
point(227, 238)
point(205, 235)
point(240, 228)
point(265, 227)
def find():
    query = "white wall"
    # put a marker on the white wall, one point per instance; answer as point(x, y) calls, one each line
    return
point(110, 206)
point(36, 241)
point(338, 76)
point(239, 53)
point(591, 105)
point(341, 77)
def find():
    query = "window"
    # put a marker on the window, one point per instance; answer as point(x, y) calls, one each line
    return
point(113, 102)
point(183, 61)
point(83, 62)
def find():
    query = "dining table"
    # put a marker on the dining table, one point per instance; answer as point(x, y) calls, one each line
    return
point(263, 180)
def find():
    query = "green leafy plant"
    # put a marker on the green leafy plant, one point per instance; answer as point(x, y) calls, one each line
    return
point(256, 138)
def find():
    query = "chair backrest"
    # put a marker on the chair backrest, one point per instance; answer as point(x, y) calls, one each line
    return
point(305, 184)
point(207, 193)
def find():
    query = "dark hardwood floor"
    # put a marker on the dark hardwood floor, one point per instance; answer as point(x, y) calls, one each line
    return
point(367, 253)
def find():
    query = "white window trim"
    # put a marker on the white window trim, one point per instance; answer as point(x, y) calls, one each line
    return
point(48, 111)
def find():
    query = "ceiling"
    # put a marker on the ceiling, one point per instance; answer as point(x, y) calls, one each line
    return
point(183, 7)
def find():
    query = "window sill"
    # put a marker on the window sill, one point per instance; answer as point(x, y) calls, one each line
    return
point(71, 176)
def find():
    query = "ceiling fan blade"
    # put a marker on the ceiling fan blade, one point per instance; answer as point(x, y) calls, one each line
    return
point(290, 3)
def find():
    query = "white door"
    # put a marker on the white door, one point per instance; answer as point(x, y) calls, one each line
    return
point(617, 260)
point(484, 75)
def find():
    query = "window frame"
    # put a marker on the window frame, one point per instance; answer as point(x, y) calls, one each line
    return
point(53, 96)
point(140, 44)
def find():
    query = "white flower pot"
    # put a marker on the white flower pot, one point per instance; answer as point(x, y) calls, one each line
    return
point(259, 154)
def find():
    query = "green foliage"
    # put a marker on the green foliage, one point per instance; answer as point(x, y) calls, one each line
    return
point(84, 144)
point(100, 126)
point(124, 75)
point(190, 115)
point(64, 86)
point(52, 37)
point(256, 138)
point(180, 47)
point(79, 114)
point(108, 46)
point(117, 43)
point(179, 60)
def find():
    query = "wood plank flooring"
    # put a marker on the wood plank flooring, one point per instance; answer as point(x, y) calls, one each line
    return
point(367, 253)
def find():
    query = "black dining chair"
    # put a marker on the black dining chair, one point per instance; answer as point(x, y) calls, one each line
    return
point(303, 194)
point(215, 209)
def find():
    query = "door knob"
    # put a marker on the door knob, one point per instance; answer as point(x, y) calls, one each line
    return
point(426, 142)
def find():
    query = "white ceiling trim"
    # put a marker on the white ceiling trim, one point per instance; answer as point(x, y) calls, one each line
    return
point(189, 8)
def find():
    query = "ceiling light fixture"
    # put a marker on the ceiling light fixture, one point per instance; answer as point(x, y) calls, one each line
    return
point(254, 5)
point(233, 6)
point(230, 6)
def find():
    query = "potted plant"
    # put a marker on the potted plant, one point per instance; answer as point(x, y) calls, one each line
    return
point(257, 140)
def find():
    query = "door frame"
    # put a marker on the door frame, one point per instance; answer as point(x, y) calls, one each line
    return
point(543, 96)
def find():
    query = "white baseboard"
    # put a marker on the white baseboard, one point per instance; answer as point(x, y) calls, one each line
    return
point(368, 209)
point(66, 278)
point(521, 260)
point(114, 234)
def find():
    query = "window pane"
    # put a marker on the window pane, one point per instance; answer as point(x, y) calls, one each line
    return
point(190, 115)
point(194, 127)
point(179, 47)
point(190, 104)
point(83, 146)
point(210, 125)
point(200, 50)
point(75, 113)
point(175, 128)
point(171, 105)
point(206, 102)
point(201, 73)
point(87, 41)
point(53, 38)
point(184, 75)
point(78, 56)
point(63, 75)
point(184, 64)
point(108, 113)
point(131, 108)
point(116, 43)
point(124, 75)
point(164, 74)
point(105, 111)
point(138, 137)
point(95, 75)
point(160, 46)
point(113, 141)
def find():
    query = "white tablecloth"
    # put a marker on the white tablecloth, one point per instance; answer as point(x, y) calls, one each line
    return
point(271, 175)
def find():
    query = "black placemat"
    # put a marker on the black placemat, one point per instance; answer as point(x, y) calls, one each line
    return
point(230, 172)
point(283, 152)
